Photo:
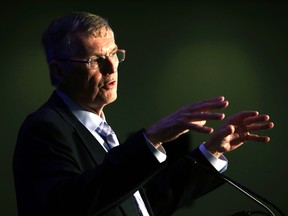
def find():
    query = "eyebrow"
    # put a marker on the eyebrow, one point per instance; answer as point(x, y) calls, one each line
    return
point(112, 50)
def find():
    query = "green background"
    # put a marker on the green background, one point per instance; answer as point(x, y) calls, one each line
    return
point(177, 53)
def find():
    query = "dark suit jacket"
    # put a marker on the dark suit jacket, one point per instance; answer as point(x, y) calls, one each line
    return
point(60, 169)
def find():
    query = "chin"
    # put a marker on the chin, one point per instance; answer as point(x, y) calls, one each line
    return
point(111, 98)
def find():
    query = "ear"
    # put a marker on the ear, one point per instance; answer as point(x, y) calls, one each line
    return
point(57, 73)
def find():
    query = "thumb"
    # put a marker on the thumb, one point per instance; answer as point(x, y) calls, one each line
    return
point(228, 130)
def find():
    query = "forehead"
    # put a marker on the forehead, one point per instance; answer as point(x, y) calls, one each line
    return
point(100, 42)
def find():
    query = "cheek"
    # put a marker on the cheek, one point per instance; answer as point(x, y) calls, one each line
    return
point(93, 83)
point(82, 82)
point(74, 80)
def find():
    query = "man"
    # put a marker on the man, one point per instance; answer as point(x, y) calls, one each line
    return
point(64, 165)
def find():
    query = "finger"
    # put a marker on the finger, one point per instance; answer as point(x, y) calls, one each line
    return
point(208, 101)
point(259, 118)
point(200, 123)
point(223, 132)
point(215, 99)
point(263, 126)
point(226, 131)
point(201, 128)
point(208, 106)
point(257, 138)
point(199, 116)
point(241, 116)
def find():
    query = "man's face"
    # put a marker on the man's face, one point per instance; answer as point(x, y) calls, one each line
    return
point(93, 88)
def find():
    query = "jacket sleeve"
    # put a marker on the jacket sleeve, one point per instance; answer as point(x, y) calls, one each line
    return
point(182, 181)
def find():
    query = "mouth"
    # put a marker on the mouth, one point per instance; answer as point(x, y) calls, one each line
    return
point(109, 84)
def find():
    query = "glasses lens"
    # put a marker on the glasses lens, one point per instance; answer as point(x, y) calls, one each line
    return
point(96, 62)
point(121, 55)
point(100, 61)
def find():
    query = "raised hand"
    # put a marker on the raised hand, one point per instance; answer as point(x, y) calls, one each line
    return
point(236, 130)
point(191, 117)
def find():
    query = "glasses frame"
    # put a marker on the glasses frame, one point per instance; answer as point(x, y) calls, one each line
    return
point(94, 60)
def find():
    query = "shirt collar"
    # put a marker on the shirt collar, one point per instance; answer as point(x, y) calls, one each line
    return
point(89, 119)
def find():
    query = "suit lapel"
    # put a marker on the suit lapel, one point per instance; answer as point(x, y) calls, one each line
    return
point(94, 148)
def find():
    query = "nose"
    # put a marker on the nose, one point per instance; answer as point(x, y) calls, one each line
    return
point(108, 67)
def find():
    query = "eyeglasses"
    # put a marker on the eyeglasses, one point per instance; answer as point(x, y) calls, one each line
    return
point(99, 61)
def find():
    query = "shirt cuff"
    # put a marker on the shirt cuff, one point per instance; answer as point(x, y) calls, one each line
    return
point(220, 164)
point(159, 153)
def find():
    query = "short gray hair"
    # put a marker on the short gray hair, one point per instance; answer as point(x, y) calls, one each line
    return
point(56, 39)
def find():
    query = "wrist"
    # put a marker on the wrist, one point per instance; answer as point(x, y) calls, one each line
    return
point(149, 136)
point(212, 150)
